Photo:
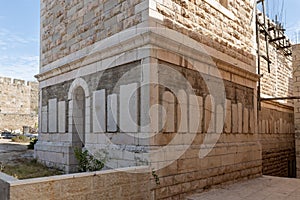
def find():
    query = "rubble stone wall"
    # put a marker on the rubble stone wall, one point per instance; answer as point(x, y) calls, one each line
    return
point(18, 103)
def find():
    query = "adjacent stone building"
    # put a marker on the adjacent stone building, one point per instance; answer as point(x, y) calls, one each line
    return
point(296, 75)
point(18, 104)
point(276, 117)
point(171, 84)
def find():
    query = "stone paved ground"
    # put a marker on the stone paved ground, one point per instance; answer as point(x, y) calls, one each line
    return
point(265, 188)
point(10, 152)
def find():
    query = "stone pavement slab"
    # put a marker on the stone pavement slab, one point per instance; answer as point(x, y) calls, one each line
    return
point(264, 188)
point(10, 151)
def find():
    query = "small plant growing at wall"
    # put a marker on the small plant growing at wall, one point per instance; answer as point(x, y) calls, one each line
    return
point(33, 141)
point(1, 167)
point(21, 139)
point(156, 178)
point(87, 162)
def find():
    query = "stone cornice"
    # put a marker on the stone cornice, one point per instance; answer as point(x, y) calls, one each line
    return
point(278, 106)
point(133, 39)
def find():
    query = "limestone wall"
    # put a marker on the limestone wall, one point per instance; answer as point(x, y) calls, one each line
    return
point(4, 186)
point(226, 26)
point(276, 117)
point(69, 26)
point(216, 80)
point(236, 154)
point(296, 72)
point(18, 103)
point(279, 82)
point(277, 137)
point(135, 183)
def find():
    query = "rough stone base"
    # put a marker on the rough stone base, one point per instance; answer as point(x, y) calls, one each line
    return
point(56, 155)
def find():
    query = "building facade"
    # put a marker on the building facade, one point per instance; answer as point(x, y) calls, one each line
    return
point(171, 84)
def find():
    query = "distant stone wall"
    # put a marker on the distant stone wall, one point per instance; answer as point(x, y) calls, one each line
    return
point(18, 103)
point(16, 122)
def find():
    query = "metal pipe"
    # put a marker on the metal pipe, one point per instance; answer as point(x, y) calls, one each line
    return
point(266, 36)
point(258, 58)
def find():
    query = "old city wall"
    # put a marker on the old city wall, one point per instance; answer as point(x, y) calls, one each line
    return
point(18, 103)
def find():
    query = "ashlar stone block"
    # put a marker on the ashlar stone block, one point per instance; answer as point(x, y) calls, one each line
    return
point(62, 117)
point(52, 120)
point(44, 119)
point(182, 118)
point(234, 118)
point(240, 118)
point(252, 122)
point(99, 111)
point(112, 113)
point(169, 106)
point(219, 119)
point(227, 127)
point(246, 121)
point(195, 113)
point(210, 114)
point(129, 108)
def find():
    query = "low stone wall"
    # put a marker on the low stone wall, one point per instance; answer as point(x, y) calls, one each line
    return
point(4, 186)
point(129, 183)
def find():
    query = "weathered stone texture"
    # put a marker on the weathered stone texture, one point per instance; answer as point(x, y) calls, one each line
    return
point(296, 68)
point(185, 73)
point(69, 26)
point(18, 103)
point(227, 30)
point(279, 82)
point(123, 184)
point(276, 130)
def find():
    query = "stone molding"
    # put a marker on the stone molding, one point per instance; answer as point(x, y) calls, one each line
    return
point(157, 39)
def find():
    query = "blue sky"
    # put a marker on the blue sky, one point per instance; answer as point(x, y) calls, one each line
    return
point(19, 33)
point(19, 38)
point(289, 13)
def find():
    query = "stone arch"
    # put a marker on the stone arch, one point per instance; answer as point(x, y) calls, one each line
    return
point(79, 111)
point(78, 82)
